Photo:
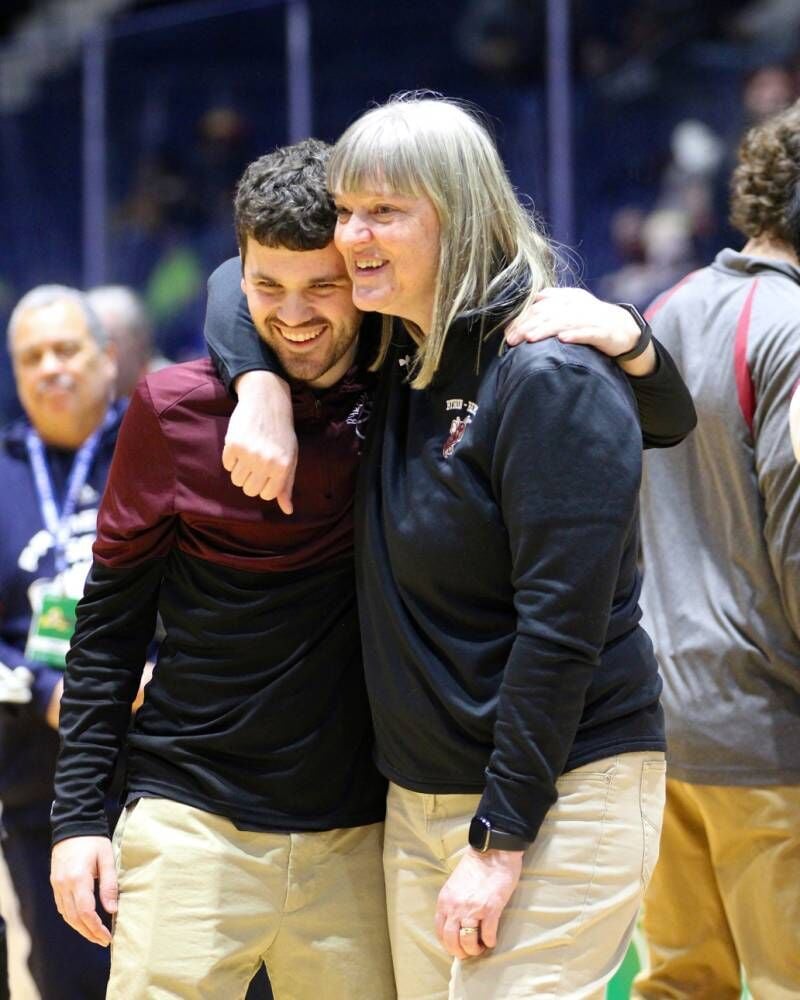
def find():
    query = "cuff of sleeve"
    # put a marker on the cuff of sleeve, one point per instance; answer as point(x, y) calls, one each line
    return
point(82, 828)
point(515, 807)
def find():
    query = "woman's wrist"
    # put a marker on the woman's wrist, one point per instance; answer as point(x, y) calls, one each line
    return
point(640, 358)
point(645, 364)
point(254, 385)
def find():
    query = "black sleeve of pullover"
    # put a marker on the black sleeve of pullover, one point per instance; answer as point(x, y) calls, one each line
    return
point(116, 619)
point(666, 409)
point(233, 341)
point(568, 524)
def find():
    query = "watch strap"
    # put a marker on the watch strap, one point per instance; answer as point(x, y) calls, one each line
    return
point(645, 334)
point(499, 840)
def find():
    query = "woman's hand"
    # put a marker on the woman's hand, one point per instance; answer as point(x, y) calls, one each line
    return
point(576, 316)
point(473, 899)
point(261, 446)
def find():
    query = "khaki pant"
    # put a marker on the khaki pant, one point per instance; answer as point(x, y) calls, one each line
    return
point(567, 925)
point(726, 891)
point(202, 904)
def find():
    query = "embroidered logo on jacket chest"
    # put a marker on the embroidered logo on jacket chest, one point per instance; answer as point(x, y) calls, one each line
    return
point(360, 414)
point(464, 411)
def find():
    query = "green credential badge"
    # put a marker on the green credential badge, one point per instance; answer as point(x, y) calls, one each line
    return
point(51, 630)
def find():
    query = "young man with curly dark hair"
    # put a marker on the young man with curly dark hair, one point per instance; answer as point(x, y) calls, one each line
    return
point(254, 813)
point(721, 542)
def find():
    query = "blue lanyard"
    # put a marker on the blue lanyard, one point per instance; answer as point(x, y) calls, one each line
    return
point(57, 521)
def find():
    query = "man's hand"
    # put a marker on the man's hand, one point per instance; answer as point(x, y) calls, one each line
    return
point(74, 865)
point(261, 447)
point(474, 896)
point(576, 316)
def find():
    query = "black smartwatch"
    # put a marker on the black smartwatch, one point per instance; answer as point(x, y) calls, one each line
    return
point(483, 837)
point(645, 333)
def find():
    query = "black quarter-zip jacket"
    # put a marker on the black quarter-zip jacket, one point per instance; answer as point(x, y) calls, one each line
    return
point(496, 541)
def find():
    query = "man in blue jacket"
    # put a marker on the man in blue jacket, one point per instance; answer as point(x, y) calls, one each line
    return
point(53, 467)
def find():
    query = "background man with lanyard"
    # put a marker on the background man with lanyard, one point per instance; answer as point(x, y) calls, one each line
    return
point(53, 467)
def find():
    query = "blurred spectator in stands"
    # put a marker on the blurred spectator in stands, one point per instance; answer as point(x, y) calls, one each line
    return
point(223, 149)
point(221, 153)
point(770, 24)
point(626, 234)
point(127, 322)
point(503, 38)
point(53, 467)
point(156, 230)
point(624, 45)
point(163, 195)
point(687, 183)
point(174, 225)
point(666, 240)
point(632, 50)
point(768, 90)
point(721, 602)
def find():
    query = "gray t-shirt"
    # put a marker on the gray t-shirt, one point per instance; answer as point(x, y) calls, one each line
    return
point(721, 528)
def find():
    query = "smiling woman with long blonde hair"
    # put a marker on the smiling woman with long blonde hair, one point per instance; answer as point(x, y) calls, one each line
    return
point(514, 695)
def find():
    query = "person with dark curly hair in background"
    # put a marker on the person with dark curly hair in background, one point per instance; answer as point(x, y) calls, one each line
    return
point(721, 544)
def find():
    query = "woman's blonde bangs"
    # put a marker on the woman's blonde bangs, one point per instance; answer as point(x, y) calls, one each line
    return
point(376, 153)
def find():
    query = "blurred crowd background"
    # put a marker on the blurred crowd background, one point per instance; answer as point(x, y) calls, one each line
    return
point(659, 92)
